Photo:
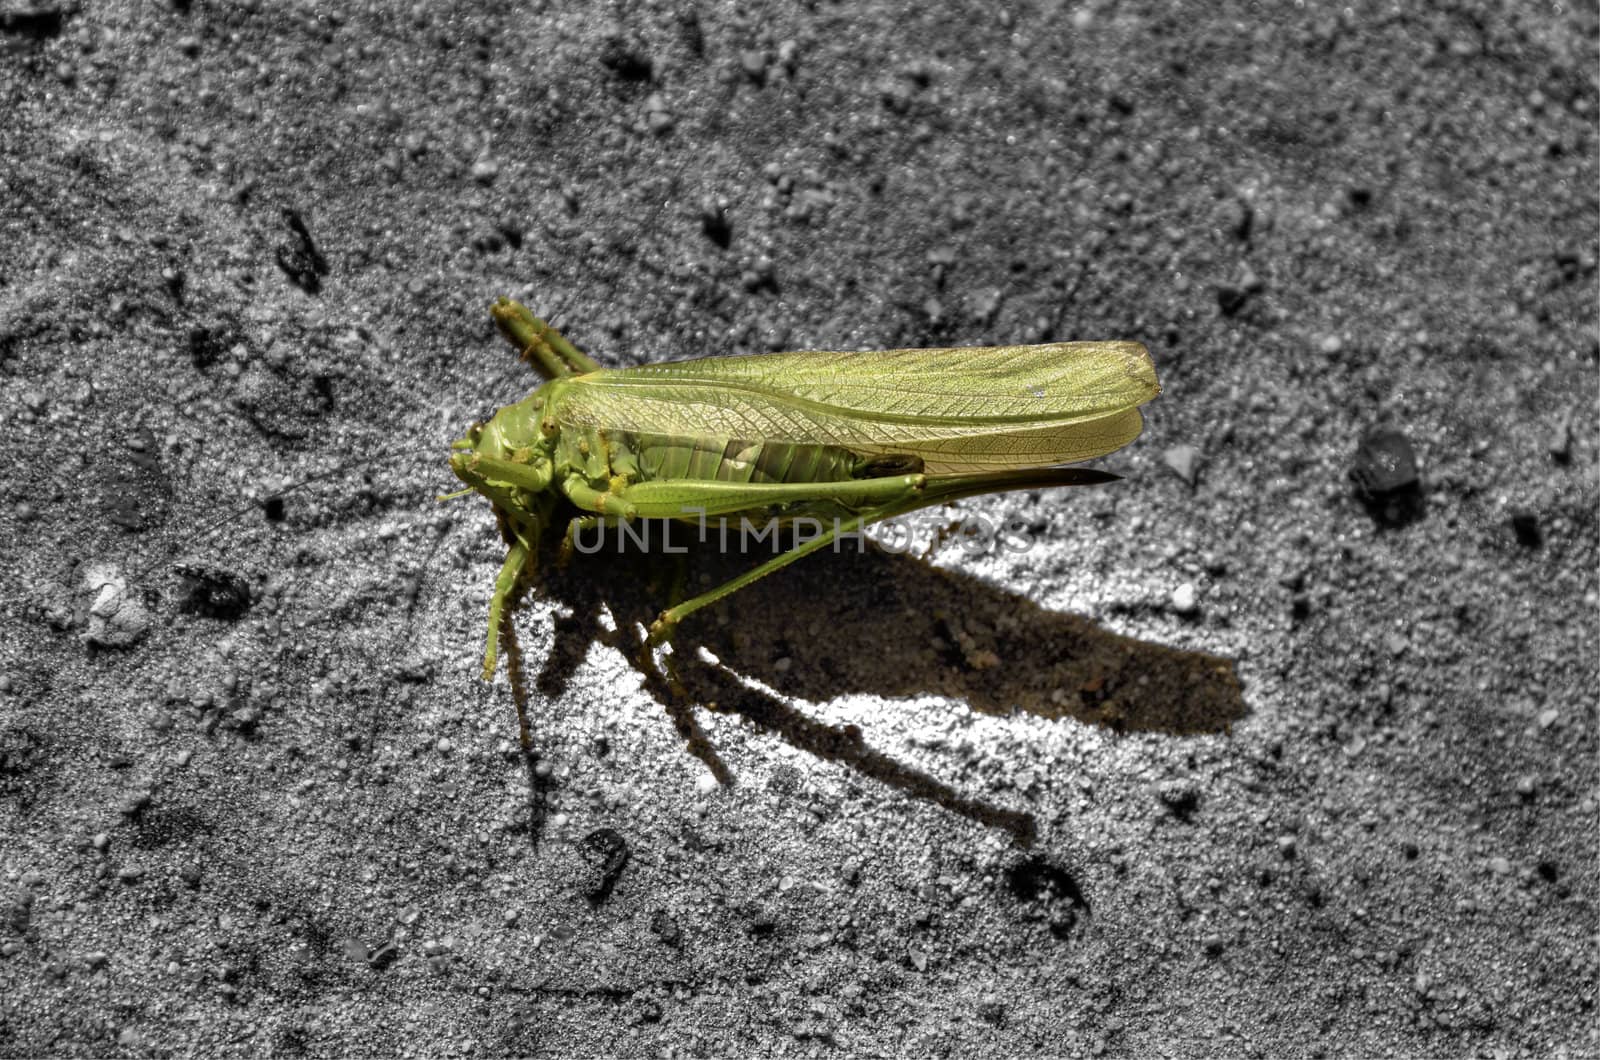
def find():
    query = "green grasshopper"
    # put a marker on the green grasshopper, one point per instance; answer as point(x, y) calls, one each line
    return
point(843, 439)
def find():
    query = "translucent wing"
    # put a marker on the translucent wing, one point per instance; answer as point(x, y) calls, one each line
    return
point(960, 410)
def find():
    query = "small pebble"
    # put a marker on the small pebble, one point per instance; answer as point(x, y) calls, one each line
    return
point(1560, 445)
point(715, 223)
point(1182, 797)
point(1184, 460)
point(1500, 866)
point(1525, 525)
point(485, 170)
point(982, 305)
point(1385, 464)
point(1548, 717)
point(754, 63)
point(1232, 297)
point(705, 784)
point(116, 619)
point(1185, 599)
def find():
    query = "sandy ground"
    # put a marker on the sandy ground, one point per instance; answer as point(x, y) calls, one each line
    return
point(1227, 761)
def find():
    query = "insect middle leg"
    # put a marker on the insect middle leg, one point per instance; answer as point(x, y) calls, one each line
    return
point(569, 540)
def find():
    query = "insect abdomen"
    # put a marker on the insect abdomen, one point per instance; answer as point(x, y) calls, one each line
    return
point(723, 460)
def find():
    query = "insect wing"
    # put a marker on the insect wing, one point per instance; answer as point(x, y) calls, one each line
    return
point(960, 410)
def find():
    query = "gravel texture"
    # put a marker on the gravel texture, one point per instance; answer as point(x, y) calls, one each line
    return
point(1284, 745)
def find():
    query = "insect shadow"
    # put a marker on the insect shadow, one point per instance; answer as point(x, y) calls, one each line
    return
point(890, 625)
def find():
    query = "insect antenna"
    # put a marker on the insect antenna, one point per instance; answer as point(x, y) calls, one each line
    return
point(228, 518)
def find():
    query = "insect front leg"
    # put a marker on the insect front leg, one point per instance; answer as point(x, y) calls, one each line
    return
point(518, 557)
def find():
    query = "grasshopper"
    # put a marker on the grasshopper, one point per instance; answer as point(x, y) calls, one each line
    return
point(841, 439)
